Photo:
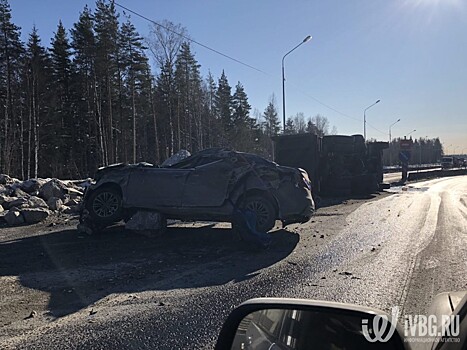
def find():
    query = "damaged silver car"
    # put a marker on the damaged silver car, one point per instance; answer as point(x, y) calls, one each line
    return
point(207, 186)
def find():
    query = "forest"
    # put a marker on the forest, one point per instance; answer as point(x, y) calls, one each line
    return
point(92, 98)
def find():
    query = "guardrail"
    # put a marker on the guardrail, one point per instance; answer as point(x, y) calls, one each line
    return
point(396, 169)
point(436, 173)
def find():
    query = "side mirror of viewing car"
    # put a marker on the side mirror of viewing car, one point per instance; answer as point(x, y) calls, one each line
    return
point(269, 323)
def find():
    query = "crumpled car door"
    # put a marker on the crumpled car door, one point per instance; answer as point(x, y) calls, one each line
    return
point(207, 185)
point(151, 188)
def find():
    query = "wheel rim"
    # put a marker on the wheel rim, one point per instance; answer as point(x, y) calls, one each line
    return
point(105, 204)
point(260, 210)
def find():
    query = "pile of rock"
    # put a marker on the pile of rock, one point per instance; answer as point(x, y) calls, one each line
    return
point(33, 200)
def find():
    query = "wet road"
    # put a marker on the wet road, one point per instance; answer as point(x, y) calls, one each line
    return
point(399, 249)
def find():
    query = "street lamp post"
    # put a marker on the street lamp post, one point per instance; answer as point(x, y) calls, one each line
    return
point(283, 80)
point(364, 118)
point(390, 126)
point(420, 155)
point(390, 139)
point(410, 132)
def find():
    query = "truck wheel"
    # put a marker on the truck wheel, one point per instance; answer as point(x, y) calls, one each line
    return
point(264, 210)
point(105, 205)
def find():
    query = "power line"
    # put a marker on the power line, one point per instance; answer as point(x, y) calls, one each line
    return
point(190, 39)
point(371, 126)
point(238, 61)
point(335, 110)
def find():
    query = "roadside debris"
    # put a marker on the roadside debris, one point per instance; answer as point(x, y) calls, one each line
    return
point(54, 203)
point(34, 215)
point(31, 315)
point(33, 200)
point(345, 273)
point(147, 222)
point(13, 217)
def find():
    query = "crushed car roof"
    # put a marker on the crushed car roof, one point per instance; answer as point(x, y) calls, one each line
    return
point(222, 153)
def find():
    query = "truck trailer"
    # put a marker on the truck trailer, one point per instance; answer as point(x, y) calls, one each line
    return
point(338, 165)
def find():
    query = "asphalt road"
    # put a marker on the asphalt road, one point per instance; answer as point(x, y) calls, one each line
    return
point(392, 177)
point(121, 291)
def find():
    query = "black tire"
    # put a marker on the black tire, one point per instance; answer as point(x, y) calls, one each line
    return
point(105, 205)
point(264, 209)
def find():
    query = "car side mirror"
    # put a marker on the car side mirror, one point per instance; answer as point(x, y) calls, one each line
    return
point(269, 323)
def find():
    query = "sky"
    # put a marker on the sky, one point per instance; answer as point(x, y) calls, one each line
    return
point(410, 54)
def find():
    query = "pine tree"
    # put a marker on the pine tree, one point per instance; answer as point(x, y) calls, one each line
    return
point(289, 126)
point(242, 135)
point(85, 94)
point(106, 29)
point(223, 105)
point(214, 127)
point(241, 107)
point(271, 124)
point(270, 127)
point(11, 55)
point(165, 102)
point(61, 103)
point(189, 100)
point(134, 69)
point(43, 129)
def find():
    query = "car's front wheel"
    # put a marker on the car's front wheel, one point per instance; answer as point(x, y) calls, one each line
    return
point(105, 205)
point(264, 210)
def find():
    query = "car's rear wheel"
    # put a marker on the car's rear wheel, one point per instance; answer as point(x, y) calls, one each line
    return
point(264, 210)
point(105, 205)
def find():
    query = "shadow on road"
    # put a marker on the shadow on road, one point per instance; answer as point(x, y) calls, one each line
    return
point(331, 201)
point(78, 270)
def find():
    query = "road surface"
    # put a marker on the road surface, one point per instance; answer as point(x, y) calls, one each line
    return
point(124, 291)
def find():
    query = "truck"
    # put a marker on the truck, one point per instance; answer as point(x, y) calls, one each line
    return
point(338, 165)
point(447, 162)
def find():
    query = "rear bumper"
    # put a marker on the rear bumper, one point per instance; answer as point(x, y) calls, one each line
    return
point(307, 209)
